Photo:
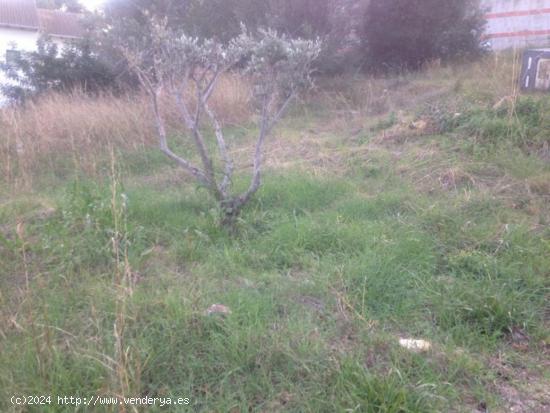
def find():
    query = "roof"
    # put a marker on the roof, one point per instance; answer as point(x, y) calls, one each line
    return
point(19, 14)
point(60, 23)
point(23, 14)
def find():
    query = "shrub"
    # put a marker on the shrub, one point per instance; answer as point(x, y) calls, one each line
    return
point(48, 68)
point(403, 34)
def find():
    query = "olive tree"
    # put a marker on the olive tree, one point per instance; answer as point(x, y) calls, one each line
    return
point(174, 64)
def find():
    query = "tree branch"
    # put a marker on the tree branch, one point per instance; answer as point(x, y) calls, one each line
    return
point(178, 93)
point(163, 142)
point(193, 126)
point(222, 147)
point(256, 175)
point(211, 85)
point(281, 112)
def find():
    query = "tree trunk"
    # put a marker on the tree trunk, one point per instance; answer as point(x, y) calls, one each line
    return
point(231, 209)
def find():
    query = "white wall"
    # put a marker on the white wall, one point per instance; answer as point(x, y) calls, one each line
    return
point(518, 23)
point(23, 39)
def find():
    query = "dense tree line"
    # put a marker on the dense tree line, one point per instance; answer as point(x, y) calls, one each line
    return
point(356, 34)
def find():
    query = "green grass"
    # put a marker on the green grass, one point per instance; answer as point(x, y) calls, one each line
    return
point(325, 273)
point(303, 244)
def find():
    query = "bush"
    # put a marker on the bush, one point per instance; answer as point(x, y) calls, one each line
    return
point(48, 68)
point(403, 34)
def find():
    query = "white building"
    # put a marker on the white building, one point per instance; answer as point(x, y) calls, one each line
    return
point(22, 23)
point(517, 23)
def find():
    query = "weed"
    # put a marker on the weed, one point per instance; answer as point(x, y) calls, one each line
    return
point(523, 123)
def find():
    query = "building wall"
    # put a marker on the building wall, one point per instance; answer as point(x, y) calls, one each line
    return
point(517, 23)
point(21, 39)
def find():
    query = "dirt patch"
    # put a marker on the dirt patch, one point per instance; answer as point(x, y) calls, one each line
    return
point(313, 304)
point(521, 390)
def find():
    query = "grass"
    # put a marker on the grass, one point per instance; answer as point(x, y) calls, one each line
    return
point(105, 278)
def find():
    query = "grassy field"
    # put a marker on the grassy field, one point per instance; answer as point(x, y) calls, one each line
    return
point(413, 207)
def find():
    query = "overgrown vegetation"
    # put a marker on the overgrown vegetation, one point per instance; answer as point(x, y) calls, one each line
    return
point(381, 218)
point(521, 122)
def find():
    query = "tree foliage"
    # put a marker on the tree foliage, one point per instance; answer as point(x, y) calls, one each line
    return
point(406, 33)
point(48, 68)
point(221, 19)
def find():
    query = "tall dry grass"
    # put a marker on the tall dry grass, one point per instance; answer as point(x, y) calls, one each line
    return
point(73, 131)
point(484, 81)
point(61, 133)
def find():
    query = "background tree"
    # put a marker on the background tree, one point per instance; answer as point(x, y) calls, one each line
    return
point(301, 18)
point(221, 20)
point(175, 66)
point(48, 68)
point(406, 33)
point(341, 45)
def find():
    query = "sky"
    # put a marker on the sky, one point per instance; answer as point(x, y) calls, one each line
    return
point(92, 4)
